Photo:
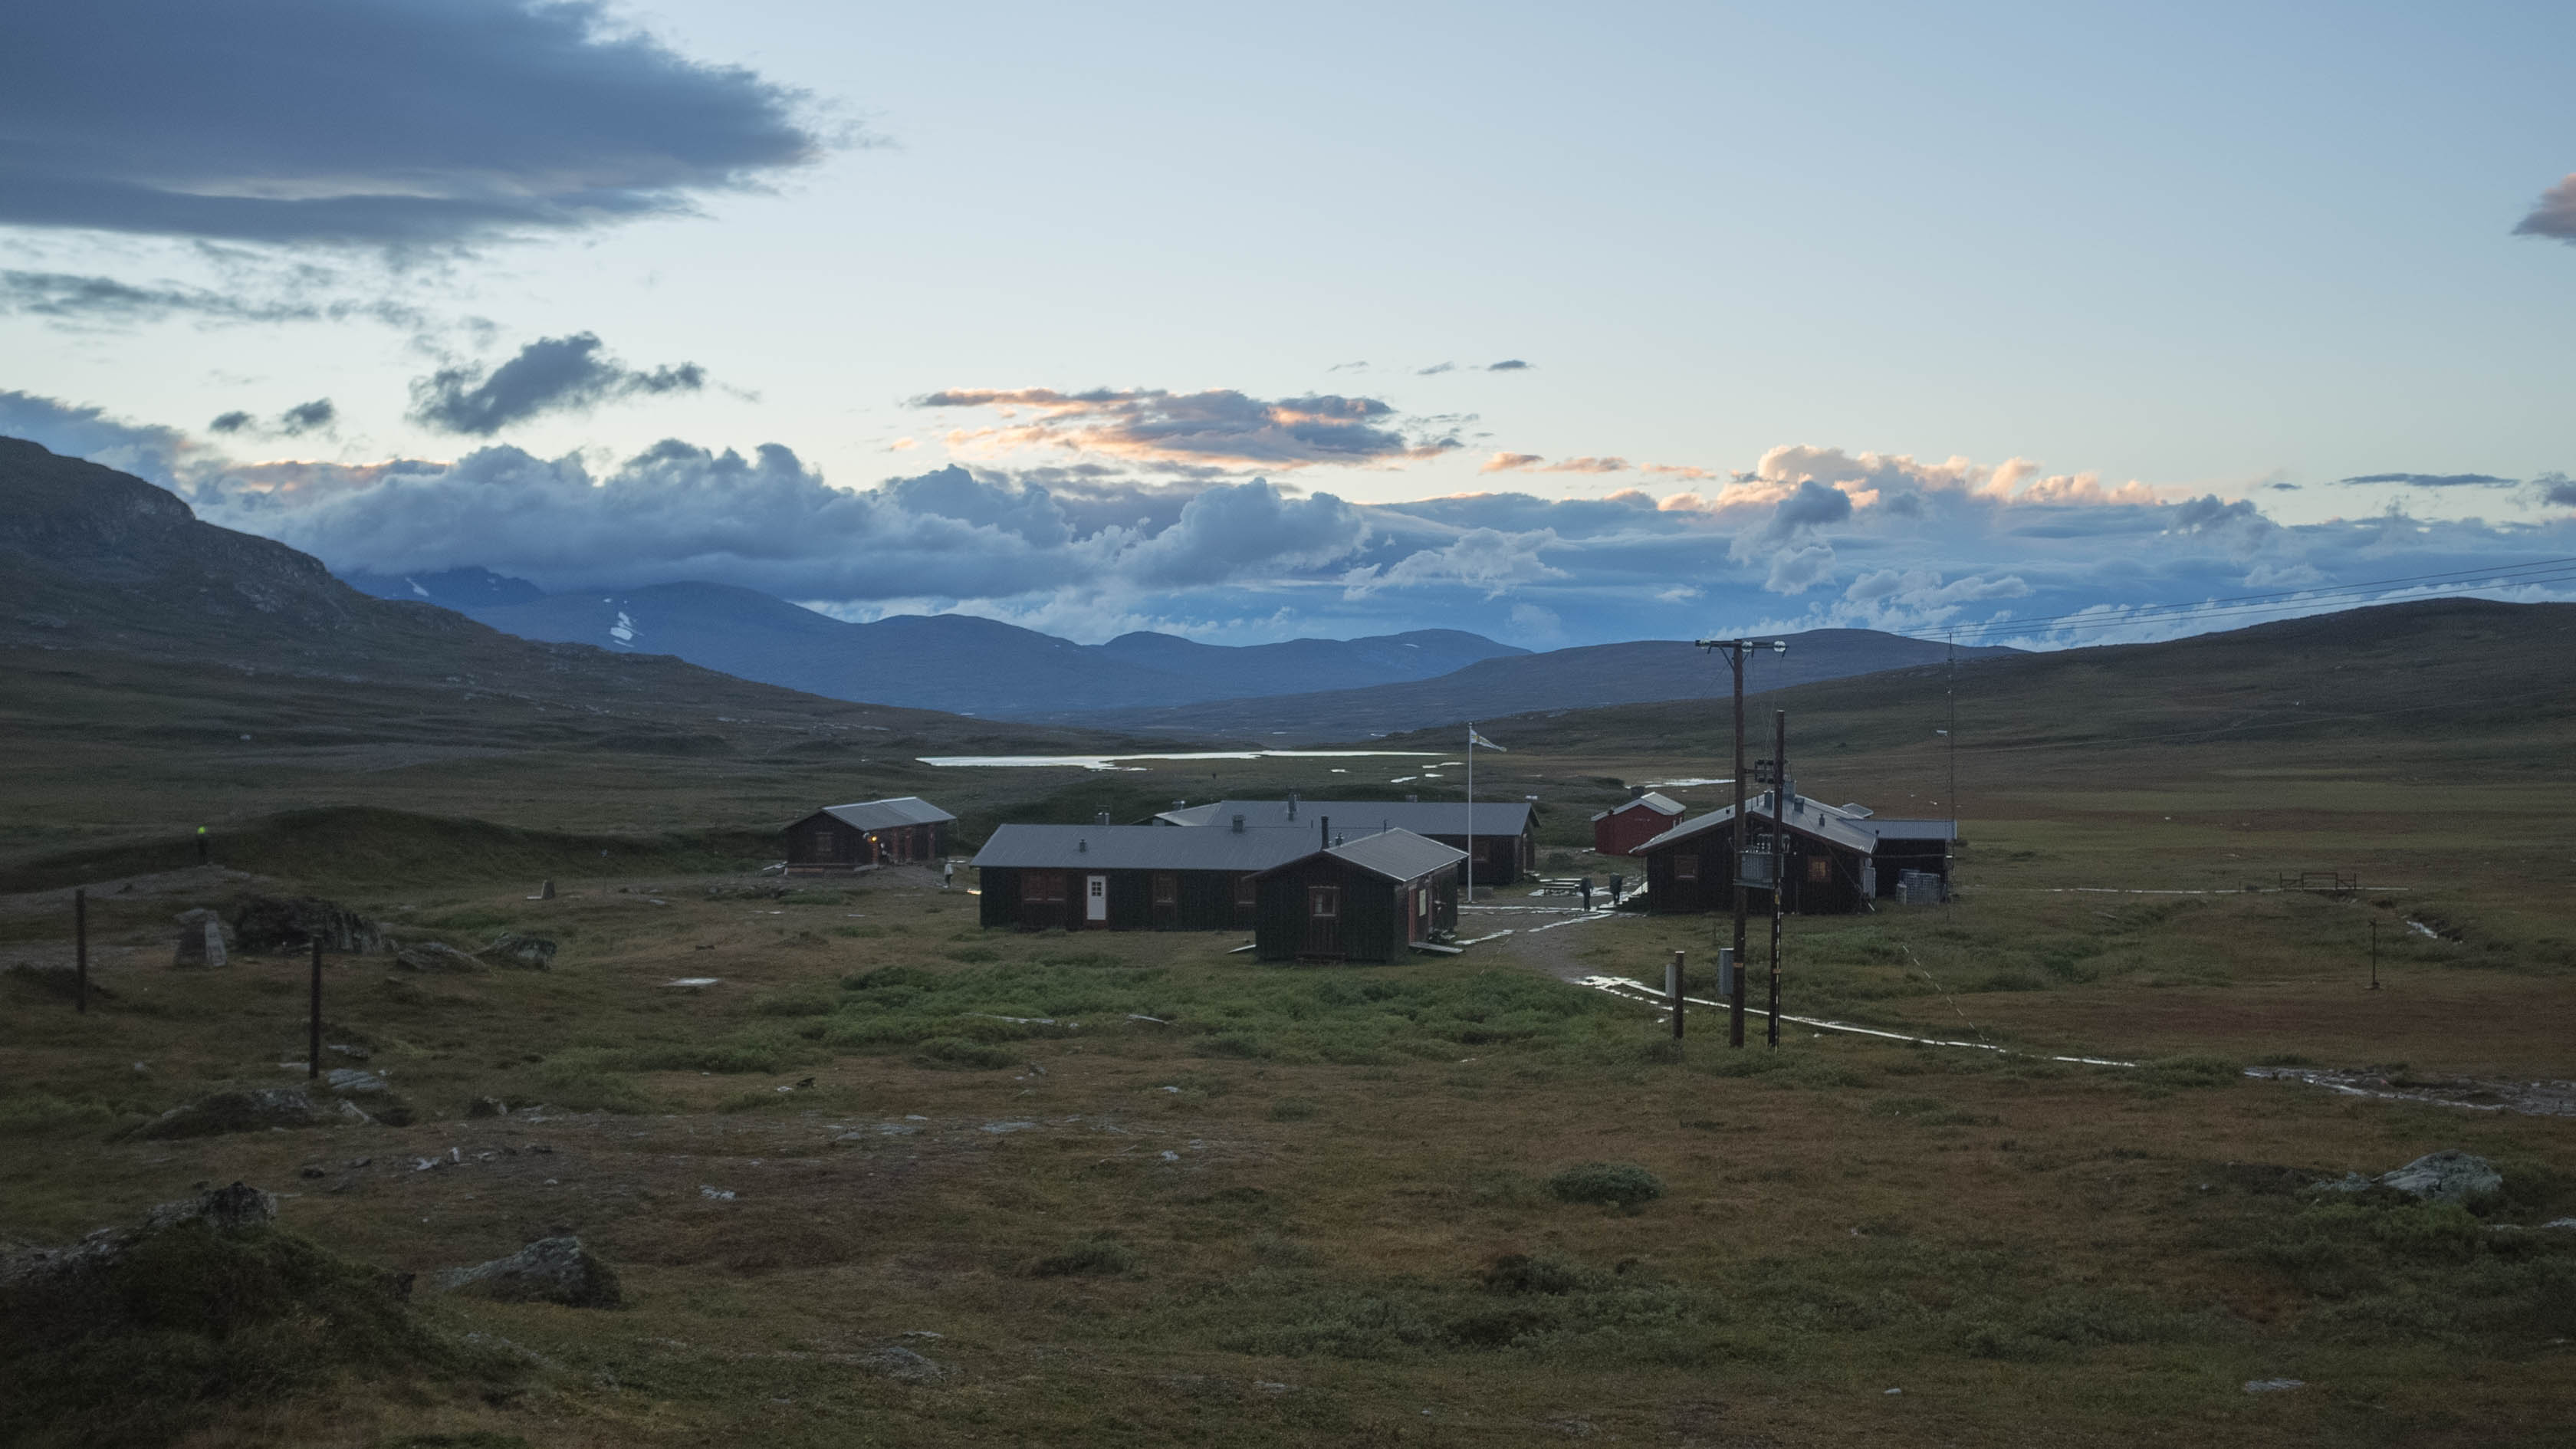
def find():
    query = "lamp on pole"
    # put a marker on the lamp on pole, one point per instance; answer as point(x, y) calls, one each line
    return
point(1735, 650)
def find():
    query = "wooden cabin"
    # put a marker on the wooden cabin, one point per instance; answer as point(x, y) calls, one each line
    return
point(1644, 815)
point(1840, 858)
point(1369, 898)
point(1499, 834)
point(1128, 877)
point(870, 833)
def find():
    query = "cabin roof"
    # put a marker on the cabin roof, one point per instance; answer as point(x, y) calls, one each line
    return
point(1141, 847)
point(1806, 817)
point(1660, 804)
point(1397, 855)
point(887, 814)
point(1421, 817)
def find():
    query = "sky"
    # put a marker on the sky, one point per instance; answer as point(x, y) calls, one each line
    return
point(1559, 325)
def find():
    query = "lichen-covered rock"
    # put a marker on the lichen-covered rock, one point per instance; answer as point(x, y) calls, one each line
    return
point(529, 953)
point(549, 1270)
point(253, 1110)
point(435, 956)
point(201, 941)
point(279, 923)
point(2449, 1175)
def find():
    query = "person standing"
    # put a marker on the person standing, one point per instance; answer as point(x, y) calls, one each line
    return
point(1587, 895)
point(947, 873)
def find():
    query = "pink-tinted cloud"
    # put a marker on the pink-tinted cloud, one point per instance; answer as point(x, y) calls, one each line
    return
point(1218, 430)
point(1536, 463)
point(2555, 215)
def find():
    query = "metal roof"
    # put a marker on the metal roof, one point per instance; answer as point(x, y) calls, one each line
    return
point(1806, 817)
point(1909, 829)
point(1422, 817)
point(1660, 804)
point(887, 814)
point(1142, 847)
point(1398, 855)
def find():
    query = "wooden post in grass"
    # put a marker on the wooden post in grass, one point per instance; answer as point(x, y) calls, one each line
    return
point(2374, 953)
point(1779, 853)
point(1673, 986)
point(313, 1034)
point(80, 951)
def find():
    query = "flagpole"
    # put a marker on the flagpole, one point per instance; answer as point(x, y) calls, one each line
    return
point(1471, 812)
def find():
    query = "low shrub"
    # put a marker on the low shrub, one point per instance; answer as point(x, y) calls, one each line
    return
point(1098, 1256)
point(958, 1053)
point(1611, 1184)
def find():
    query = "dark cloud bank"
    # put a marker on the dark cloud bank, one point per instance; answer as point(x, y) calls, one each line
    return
point(551, 374)
point(406, 122)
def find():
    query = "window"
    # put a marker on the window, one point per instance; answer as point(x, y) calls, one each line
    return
point(1422, 900)
point(1167, 890)
point(1685, 867)
point(1043, 887)
point(1820, 870)
point(826, 844)
point(1324, 903)
point(1247, 895)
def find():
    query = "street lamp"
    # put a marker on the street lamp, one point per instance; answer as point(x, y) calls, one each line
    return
point(1735, 650)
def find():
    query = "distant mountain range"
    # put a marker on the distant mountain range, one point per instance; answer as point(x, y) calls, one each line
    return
point(1643, 672)
point(1297, 692)
point(952, 662)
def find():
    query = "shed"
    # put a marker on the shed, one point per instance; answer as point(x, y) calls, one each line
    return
point(1368, 899)
point(1840, 858)
point(1498, 832)
point(1128, 877)
point(1632, 822)
point(871, 832)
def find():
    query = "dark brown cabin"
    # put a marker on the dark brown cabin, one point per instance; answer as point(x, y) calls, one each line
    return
point(1839, 859)
point(1127, 877)
point(1365, 899)
point(870, 833)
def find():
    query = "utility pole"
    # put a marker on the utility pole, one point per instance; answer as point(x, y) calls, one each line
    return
point(2374, 953)
point(313, 1034)
point(1779, 854)
point(1673, 987)
point(80, 950)
point(1735, 652)
point(1950, 846)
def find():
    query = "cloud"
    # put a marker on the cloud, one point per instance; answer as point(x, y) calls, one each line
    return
point(231, 422)
point(1435, 369)
point(1232, 527)
point(1203, 432)
point(2556, 490)
point(2437, 480)
point(551, 374)
point(1533, 463)
point(2554, 215)
point(1485, 559)
point(148, 451)
point(1508, 364)
point(403, 123)
point(317, 415)
point(70, 300)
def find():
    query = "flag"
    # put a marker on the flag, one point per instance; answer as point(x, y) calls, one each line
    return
point(1474, 739)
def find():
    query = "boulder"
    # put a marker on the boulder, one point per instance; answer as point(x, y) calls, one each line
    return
point(253, 1110)
point(487, 1107)
point(201, 941)
point(283, 923)
point(903, 1365)
point(435, 956)
point(2449, 1175)
point(529, 953)
point(352, 1082)
point(549, 1270)
point(226, 1209)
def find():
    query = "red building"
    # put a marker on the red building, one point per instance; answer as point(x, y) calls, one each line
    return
point(1620, 829)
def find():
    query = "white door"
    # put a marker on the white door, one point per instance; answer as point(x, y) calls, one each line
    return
point(1095, 899)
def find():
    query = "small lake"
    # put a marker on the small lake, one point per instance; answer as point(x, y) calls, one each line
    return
point(1122, 762)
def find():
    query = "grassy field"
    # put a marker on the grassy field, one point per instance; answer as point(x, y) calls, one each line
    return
point(1135, 1190)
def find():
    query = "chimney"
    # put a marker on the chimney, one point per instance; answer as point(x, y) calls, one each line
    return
point(1082, 846)
point(1238, 825)
point(1292, 804)
point(1636, 792)
point(1180, 804)
point(1326, 826)
point(1100, 819)
point(1412, 799)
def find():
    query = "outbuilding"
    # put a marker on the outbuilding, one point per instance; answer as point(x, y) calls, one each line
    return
point(1498, 833)
point(1632, 822)
point(869, 833)
point(1128, 877)
point(1365, 899)
point(1839, 858)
